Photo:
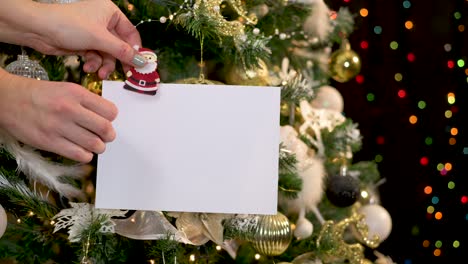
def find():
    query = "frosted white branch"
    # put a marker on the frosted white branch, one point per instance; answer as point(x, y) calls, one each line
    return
point(80, 216)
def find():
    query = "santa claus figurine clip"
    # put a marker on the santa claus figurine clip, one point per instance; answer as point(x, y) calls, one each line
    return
point(144, 79)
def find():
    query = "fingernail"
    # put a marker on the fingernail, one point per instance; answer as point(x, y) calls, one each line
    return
point(139, 60)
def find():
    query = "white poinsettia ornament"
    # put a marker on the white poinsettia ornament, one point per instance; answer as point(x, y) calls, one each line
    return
point(81, 216)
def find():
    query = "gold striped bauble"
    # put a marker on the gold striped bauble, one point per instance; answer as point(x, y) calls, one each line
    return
point(272, 235)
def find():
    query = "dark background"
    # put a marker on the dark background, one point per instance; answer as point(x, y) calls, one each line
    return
point(402, 144)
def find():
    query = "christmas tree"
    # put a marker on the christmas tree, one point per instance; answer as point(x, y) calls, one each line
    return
point(328, 205)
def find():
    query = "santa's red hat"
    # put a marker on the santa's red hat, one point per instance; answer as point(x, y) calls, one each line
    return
point(144, 51)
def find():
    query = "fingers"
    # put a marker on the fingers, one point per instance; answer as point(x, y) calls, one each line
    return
point(126, 30)
point(90, 142)
point(108, 66)
point(97, 125)
point(93, 61)
point(70, 150)
point(121, 50)
point(100, 106)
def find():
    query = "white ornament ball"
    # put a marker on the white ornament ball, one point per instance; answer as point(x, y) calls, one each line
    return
point(328, 98)
point(3, 221)
point(378, 220)
point(304, 228)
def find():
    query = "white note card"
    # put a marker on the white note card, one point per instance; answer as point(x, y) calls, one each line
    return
point(192, 148)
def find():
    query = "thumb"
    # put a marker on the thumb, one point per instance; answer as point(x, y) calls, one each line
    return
point(121, 50)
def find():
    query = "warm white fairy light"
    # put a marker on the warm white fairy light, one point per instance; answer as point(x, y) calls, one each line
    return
point(192, 258)
point(257, 256)
point(218, 248)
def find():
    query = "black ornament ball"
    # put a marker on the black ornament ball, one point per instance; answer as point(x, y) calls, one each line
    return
point(342, 190)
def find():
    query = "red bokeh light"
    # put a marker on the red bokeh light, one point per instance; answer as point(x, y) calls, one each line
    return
point(464, 199)
point(364, 44)
point(402, 93)
point(424, 161)
point(450, 64)
point(360, 79)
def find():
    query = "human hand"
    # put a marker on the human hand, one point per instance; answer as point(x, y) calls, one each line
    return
point(60, 117)
point(95, 29)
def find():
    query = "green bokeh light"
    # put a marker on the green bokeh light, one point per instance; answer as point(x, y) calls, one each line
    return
point(428, 141)
point(421, 104)
point(451, 185)
point(378, 158)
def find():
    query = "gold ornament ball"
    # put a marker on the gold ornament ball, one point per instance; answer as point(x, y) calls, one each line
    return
point(272, 235)
point(238, 75)
point(198, 81)
point(345, 64)
point(92, 83)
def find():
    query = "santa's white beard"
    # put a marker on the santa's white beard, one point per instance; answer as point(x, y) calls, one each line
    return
point(148, 68)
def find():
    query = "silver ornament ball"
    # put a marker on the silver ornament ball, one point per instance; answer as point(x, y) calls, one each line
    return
point(27, 68)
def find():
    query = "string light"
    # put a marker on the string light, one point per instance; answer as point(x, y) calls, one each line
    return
point(364, 12)
point(378, 158)
point(430, 209)
point(257, 256)
point(428, 190)
point(448, 114)
point(401, 93)
point(426, 243)
point(406, 4)
point(394, 45)
point(409, 24)
point(424, 161)
point(451, 185)
point(398, 77)
point(428, 141)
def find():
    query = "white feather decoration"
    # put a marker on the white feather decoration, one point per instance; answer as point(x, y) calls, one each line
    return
point(312, 172)
point(37, 168)
point(317, 24)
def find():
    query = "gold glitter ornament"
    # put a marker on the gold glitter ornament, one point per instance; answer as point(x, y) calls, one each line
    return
point(212, 8)
point(272, 235)
point(92, 83)
point(198, 81)
point(345, 64)
point(238, 75)
point(332, 245)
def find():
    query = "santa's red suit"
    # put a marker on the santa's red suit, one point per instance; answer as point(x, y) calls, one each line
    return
point(144, 79)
